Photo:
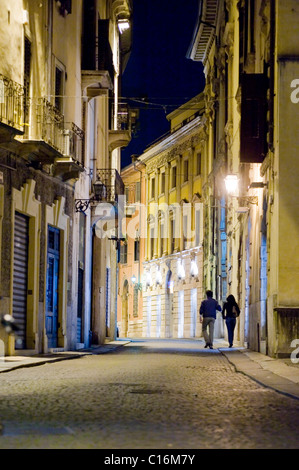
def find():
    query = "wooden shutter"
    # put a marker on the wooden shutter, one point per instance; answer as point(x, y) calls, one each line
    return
point(253, 118)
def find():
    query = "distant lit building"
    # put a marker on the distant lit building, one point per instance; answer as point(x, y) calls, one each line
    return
point(172, 268)
point(131, 253)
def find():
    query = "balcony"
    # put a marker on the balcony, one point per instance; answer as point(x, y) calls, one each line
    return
point(11, 109)
point(43, 140)
point(124, 124)
point(71, 164)
point(113, 185)
point(97, 60)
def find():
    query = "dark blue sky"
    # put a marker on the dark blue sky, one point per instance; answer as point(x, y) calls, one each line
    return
point(158, 69)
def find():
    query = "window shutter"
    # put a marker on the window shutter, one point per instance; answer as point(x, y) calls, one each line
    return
point(253, 118)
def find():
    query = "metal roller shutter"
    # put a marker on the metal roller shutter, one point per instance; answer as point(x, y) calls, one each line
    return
point(20, 273)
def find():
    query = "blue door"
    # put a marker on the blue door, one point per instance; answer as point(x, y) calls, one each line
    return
point(52, 286)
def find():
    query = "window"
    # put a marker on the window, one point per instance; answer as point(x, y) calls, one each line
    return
point(65, 7)
point(27, 72)
point(185, 232)
point(161, 239)
point(197, 228)
point(163, 182)
point(123, 253)
point(186, 170)
point(136, 249)
point(172, 235)
point(152, 242)
point(137, 194)
point(173, 177)
point(198, 164)
point(59, 89)
point(153, 183)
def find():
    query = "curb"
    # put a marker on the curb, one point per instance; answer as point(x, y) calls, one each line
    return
point(38, 360)
point(262, 376)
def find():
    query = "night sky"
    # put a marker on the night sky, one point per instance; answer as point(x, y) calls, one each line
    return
point(159, 77)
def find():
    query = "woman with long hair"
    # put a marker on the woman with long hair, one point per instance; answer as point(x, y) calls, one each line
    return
point(230, 312)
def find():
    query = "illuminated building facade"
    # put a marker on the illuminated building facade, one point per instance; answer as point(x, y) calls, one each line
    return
point(61, 129)
point(131, 253)
point(250, 57)
point(172, 268)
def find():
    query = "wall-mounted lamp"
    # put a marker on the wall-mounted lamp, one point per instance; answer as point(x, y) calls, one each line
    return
point(181, 270)
point(194, 268)
point(137, 285)
point(232, 184)
point(99, 194)
point(158, 277)
point(148, 279)
point(123, 25)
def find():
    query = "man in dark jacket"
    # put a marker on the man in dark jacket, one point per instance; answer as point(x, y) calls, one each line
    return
point(208, 310)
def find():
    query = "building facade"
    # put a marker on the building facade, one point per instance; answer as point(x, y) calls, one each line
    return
point(131, 252)
point(172, 286)
point(60, 67)
point(250, 57)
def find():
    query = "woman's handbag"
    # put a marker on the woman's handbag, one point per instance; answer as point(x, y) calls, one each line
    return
point(235, 312)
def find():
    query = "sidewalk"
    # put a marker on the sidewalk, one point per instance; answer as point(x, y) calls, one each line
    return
point(28, 359)
point(281, 375)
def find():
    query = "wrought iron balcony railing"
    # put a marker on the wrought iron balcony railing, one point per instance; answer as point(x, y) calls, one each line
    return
point(46, 123)
point(113, 185)
point(126, 118)
point(11, 104)
point(74, 142)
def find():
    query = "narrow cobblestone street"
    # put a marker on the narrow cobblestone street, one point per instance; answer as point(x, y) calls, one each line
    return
point(144, 395)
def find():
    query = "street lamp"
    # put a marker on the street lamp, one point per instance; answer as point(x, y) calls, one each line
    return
point(232, 185)
point(99, 194)
point(194, 268)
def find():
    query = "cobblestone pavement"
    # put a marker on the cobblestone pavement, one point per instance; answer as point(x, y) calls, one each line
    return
point(145, 395)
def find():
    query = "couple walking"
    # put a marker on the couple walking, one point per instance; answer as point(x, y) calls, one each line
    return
point(208, 310)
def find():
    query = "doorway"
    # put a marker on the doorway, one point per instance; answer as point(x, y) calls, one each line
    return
point(52, 294)
point(20, 276)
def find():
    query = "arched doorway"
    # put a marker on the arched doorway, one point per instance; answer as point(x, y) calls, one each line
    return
point(125, 309)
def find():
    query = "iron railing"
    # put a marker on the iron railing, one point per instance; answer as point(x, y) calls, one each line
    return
point(121, 120)
point(11, 103)
point(125, 119)
point(74, 142)
point(113, 184)
point(46, 123)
